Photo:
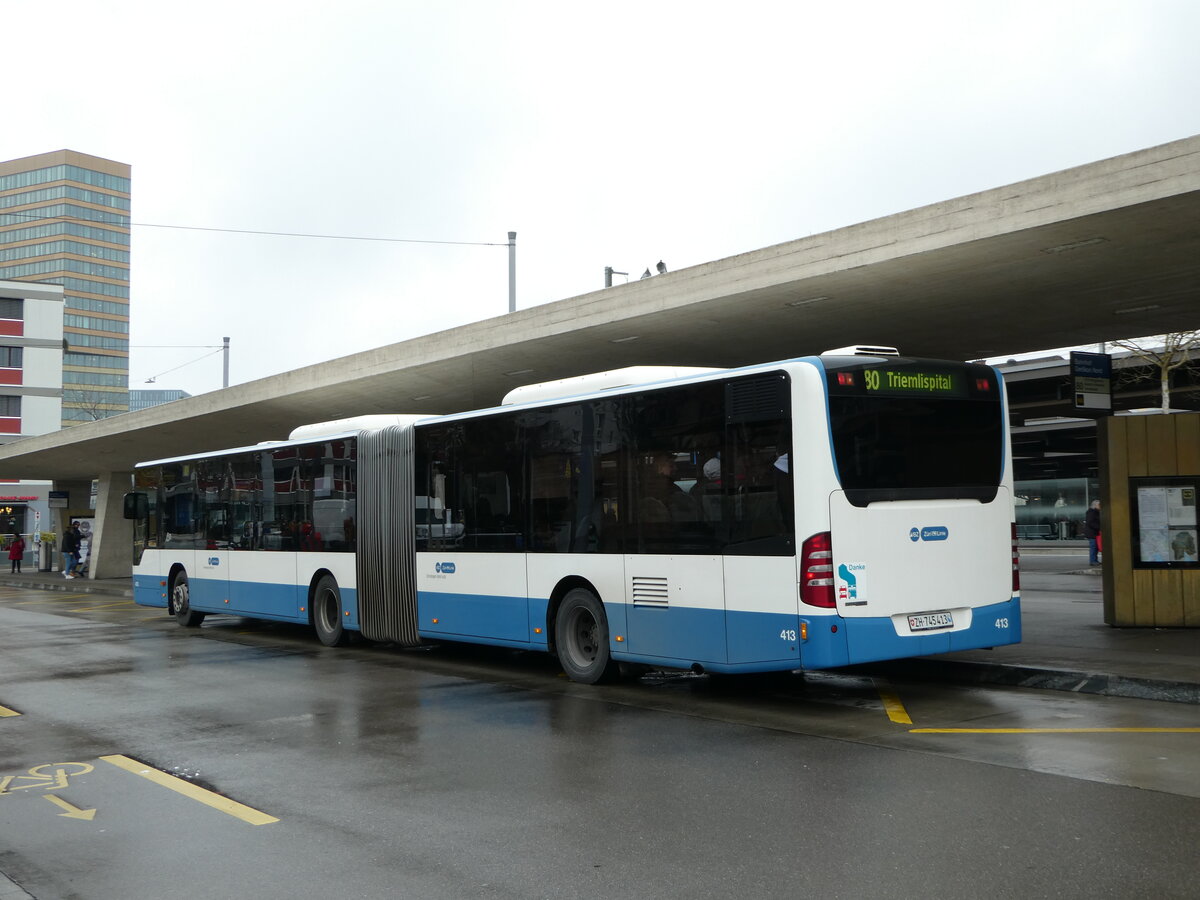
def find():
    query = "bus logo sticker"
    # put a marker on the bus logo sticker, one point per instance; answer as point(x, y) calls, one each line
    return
point(849, 587)
point(444, 568)
point(929, 533)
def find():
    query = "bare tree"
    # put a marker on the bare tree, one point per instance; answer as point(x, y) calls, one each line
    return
point(95, 404)
point(1164, 354)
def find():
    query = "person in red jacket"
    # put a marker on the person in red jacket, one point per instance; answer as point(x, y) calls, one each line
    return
point(16, 550)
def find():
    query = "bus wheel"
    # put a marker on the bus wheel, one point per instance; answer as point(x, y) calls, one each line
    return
point(327, 612)
point(181, 603)
point(581, 638)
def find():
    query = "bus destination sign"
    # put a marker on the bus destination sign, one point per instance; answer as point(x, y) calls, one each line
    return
point(913, 381)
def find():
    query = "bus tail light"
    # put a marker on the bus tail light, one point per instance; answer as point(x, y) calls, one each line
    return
point(816, 571)
point(1016, 561)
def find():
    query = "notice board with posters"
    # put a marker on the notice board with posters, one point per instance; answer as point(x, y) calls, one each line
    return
point(1164, 522)
point(1150, 487)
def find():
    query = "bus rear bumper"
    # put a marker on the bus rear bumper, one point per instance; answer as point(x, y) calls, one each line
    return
point(870, 640)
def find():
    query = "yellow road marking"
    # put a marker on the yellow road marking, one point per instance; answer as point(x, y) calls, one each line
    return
point(57, 598)
point(191, 791)
point(891, 703)
point(5, 711)
point(71, 811)
point(1054, 730)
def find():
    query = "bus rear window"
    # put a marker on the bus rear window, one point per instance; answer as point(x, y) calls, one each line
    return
point(936, 434)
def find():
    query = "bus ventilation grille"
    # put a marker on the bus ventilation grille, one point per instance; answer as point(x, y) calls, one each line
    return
point(650, 591)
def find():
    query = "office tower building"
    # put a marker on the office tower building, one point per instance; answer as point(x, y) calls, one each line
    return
point(64, 219)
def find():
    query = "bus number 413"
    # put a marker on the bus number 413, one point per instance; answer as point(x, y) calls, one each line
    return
point(788, 634)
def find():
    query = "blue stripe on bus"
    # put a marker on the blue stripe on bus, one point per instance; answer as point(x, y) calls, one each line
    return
point(255, 599)
point(147, 591)
point(721, 641)
point(485, 618)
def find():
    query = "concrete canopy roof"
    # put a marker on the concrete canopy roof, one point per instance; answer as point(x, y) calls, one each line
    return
point(1099, 252)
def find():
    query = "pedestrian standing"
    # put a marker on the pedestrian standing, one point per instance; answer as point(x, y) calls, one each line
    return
point(70, 549)
point(16, 550)
point(1091, 531)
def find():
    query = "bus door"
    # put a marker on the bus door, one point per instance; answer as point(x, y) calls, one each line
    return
point(919, 567)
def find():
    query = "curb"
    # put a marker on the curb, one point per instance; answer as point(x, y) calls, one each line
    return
point(1048, 679)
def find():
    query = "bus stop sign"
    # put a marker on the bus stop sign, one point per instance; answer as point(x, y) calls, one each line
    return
point(1091, 378)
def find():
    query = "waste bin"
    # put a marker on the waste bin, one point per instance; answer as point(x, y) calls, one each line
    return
point(46, 556)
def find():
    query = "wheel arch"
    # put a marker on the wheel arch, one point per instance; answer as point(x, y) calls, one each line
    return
point(176, 568)
point(564, 587)
point(313, 581)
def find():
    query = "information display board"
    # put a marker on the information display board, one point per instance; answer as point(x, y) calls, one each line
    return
point(1164, 522)
point(1091, 379)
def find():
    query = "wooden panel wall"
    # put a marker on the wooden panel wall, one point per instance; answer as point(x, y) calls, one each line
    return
point(1132, 447)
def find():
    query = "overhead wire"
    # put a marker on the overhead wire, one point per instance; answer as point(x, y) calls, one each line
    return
point(154, 378)
point(329, 237)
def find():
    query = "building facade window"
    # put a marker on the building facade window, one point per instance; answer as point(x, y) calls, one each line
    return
point(93, 340)
point(91, 323)
point(92, 287)
point(65, 211)
point(74, 229)
point(64, 192)
point(10, 407)
point(94, 361)
point(55, 248)
point(63, 265)
point(11, 357)
point(96, 378)
point(12, 308)
point(64, 172)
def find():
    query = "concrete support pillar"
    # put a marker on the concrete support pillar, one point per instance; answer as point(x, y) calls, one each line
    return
point(112, 541)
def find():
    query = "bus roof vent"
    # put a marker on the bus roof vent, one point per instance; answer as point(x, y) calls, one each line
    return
point(348, 425)
point(599, 381)
point(863, 350)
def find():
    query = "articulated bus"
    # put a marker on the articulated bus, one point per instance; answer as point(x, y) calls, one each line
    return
point(805, 514)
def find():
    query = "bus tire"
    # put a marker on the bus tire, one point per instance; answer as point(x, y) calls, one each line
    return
point(327, 612)
point(581, 638)
point(181, 602)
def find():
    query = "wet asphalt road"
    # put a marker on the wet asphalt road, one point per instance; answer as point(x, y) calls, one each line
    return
point(467, 772)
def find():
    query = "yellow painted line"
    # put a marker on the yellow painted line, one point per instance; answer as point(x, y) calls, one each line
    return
point(1054, 730)
point(57, 598)
point(5, 712)
point(891, 703)
point(191, 791)
point(69, 810)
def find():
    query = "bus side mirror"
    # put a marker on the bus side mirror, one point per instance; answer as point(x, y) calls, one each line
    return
point(136, 506)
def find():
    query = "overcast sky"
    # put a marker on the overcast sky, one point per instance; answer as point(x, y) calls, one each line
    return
point(606, 134)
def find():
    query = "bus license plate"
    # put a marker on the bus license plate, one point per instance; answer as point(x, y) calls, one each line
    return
point(930, 621)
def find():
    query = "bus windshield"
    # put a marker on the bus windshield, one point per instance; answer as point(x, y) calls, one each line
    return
point(909, 429)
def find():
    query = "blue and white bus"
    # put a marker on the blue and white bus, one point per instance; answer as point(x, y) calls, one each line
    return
point(804, 514)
